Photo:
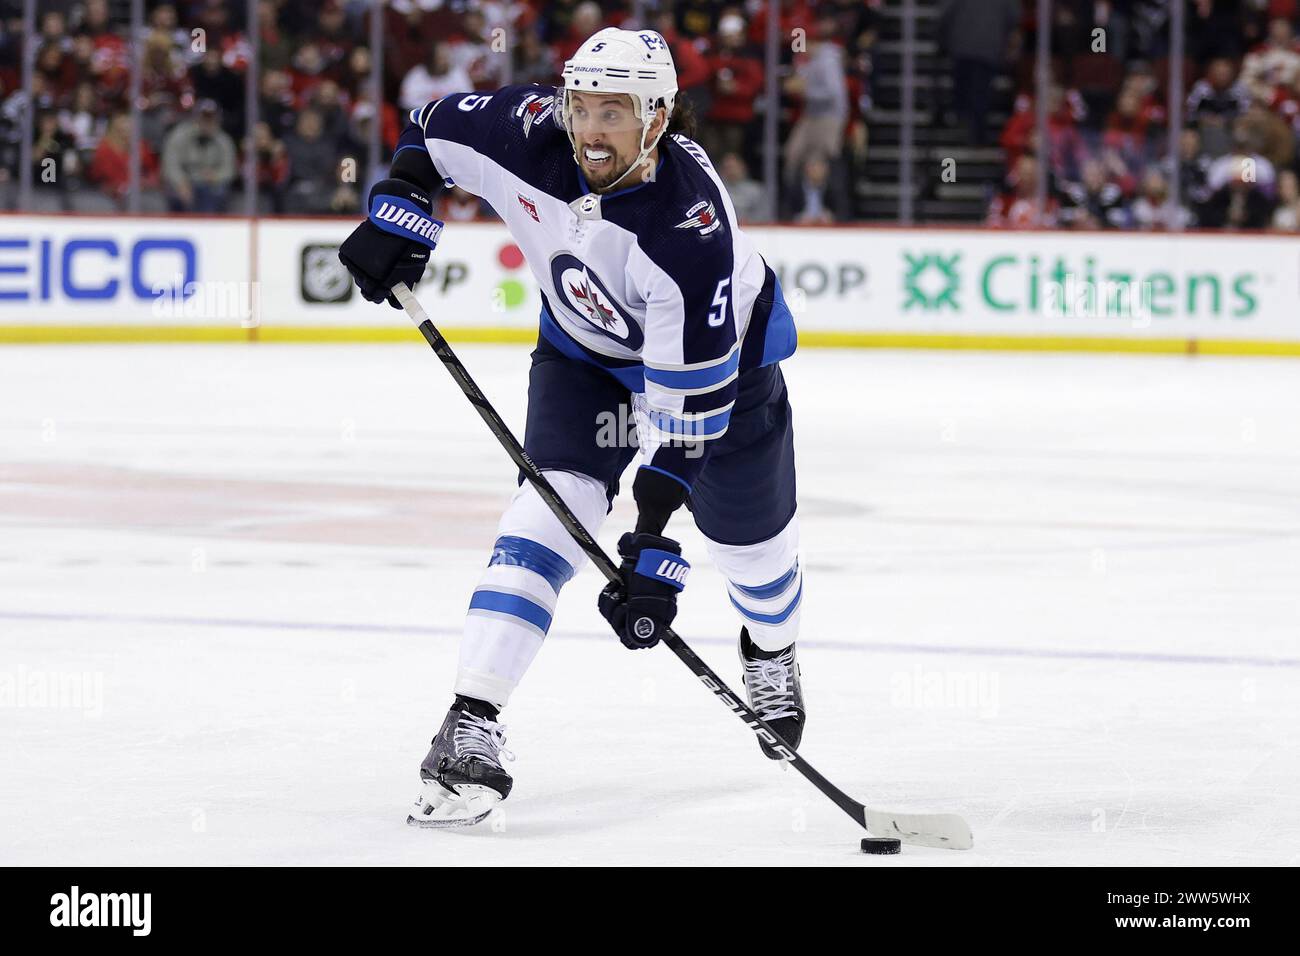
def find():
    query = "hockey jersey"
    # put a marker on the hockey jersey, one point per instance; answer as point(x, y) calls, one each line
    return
point(655, 283)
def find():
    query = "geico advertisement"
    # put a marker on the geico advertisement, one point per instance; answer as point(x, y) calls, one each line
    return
point(115, 271)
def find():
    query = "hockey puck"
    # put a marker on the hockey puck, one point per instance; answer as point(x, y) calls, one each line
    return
point(881, 845)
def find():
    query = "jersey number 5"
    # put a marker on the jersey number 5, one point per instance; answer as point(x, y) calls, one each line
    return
point(719, 315)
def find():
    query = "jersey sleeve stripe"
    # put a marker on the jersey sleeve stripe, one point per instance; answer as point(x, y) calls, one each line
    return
point(702, 379)
point(697, 427)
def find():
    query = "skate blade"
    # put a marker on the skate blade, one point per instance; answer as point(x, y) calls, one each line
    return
point(439, 808)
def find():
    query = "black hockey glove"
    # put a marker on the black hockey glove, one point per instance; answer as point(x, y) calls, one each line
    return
point(393, 245)
point(645, 601)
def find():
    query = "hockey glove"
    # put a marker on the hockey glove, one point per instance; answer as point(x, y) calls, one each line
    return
point(393, 245)
point(645, 602)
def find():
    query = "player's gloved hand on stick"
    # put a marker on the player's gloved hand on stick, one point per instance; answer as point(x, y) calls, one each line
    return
point(645, 601)
point(393, 245)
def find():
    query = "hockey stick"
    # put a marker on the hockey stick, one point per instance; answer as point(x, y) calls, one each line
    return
point(921, 829)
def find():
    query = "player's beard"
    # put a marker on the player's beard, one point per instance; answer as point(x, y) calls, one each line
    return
point(603, 179)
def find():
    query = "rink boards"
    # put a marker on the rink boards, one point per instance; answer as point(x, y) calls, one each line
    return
point(83, 279)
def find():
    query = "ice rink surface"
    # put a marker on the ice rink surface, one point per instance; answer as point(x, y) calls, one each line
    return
point(1057, 594)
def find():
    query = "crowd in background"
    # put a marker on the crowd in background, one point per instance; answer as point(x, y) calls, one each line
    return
point(316, 114)
point(1108, 142)
point(1107, 149)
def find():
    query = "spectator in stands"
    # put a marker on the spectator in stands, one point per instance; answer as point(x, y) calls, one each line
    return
point(110, 168)
point(456, 205)
point(212, 80)
point(811, 202)
point(433, 79)
point(1214, 102)
point(819, 83)
point(1151, 209)
point(1264, 132)
point(356, 74)
point(747, 195)
point(199, 162)
point(163, 21)
point(165, 86)
point(1242, 193)
point(311, 165)
point(1275, 63)
point(1128, 131)
point(472, 51)
point(345, 198)
point(693, 77)
point(737, 81)
point(109, 66)
point(272, 167)
point(56, 65)
point(1094, 202)
point(81, 120)
point(534, 61)
point(1286, 218)
point(978, 35)
point(55, 166)
point(327, 100)
point(573, 23)
point(1066, 149)
point(1017, 207)
point(1194, 170)
point(276, 104)
point(277, 45)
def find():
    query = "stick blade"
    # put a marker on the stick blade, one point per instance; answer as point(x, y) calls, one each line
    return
point(944, 830)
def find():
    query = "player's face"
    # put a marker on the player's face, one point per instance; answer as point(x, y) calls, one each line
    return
point(607, 133)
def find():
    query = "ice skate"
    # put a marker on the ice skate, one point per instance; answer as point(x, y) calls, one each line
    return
point(462, 779)
point(772, 686)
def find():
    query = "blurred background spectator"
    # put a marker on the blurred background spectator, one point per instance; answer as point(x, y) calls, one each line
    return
point(198, 161)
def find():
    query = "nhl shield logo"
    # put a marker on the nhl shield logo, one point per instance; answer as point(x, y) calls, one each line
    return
point(702, 217)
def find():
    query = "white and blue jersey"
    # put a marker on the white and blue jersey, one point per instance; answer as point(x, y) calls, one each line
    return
point(654, 283)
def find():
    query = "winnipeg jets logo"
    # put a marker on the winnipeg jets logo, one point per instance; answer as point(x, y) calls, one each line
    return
point(586, 308)
point(702, 217)
point(533, 109)
point(530, 207)
point(589, 298)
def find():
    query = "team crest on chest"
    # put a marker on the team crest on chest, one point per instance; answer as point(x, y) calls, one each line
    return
point(702, 217)
point(585, 299)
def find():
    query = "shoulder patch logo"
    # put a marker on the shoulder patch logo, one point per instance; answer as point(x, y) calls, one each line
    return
point(532, 109)
point(701, 217)
point(530, 207)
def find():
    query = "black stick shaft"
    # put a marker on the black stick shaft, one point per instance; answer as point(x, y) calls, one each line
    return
point(601, 560)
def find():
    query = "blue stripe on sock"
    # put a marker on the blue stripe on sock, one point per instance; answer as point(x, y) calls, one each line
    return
point(778, 618)
point(770, 590)
point(523, 553)
point(512, 604)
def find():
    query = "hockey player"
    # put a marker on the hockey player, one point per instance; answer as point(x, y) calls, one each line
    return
point(651, 297)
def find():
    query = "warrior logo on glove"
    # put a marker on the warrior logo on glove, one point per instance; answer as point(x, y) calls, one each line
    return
point(644, 601)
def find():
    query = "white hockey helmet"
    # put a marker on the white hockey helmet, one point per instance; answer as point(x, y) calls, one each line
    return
point(636, 62)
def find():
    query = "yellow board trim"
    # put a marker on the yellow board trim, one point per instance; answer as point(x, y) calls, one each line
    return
point(87, 334)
